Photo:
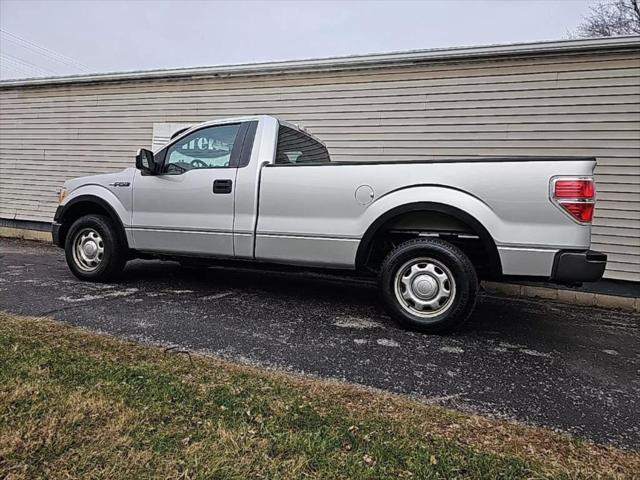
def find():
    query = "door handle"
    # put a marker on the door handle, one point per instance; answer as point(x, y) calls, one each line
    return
point(222, 186)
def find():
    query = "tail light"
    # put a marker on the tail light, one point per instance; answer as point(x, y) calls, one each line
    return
point(576, 196)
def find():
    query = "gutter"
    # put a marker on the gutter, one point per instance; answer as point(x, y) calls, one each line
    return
point(347, 62)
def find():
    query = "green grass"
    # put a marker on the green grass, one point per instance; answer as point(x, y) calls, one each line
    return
point(79, 405)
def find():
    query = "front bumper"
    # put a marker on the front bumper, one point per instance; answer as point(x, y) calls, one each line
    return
point(571, 266)
point(56, 226)
point(55, 233)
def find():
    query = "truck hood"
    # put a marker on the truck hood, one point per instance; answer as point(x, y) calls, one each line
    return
point(104, 179)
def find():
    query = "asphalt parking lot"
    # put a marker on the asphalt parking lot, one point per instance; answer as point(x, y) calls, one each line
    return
point(567, 367)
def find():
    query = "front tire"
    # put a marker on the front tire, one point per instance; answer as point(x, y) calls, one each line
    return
point(93, 250)
point(428, 285)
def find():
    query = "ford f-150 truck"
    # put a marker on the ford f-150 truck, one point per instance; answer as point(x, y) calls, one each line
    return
point(262, 190)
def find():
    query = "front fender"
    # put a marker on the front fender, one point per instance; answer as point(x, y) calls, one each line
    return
point(100, 197)
point(102, 194)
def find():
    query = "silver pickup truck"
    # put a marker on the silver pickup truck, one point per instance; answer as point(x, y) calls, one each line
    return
point(257, 189)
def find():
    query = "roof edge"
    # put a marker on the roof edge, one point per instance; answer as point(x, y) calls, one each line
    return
point(345, 62)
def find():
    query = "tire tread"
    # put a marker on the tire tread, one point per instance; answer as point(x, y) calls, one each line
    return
point(464, 306)
point(117, 257)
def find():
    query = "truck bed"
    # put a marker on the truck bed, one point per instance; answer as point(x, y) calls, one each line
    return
point(311, 214)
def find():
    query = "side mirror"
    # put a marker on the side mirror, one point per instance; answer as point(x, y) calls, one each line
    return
point(145, 161)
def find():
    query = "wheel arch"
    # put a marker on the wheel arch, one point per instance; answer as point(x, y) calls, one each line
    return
point(86, 205)
point(381, 224)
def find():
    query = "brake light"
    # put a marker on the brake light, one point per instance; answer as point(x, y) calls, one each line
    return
point(576, 196)
point(580, 210)
point(583, 188)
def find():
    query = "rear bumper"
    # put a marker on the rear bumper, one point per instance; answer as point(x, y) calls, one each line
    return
point(575, 266)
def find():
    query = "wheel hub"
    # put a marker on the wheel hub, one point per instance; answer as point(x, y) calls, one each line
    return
point(88, 249)
point(424, 286)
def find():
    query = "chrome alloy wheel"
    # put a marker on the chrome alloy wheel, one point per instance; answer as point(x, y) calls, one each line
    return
point(88, 249)
point(425, 287)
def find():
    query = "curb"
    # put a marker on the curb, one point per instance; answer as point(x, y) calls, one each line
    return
point(25, 234)
point(627, 304)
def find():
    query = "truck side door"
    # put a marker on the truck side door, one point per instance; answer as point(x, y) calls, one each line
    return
point(189, 207)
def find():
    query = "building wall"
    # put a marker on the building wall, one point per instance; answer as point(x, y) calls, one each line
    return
point(553, 104)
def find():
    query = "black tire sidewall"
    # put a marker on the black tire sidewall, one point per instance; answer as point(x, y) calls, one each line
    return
point(113, 260)
point(463, 273)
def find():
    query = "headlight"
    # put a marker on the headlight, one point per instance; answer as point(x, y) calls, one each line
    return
point(62, 194)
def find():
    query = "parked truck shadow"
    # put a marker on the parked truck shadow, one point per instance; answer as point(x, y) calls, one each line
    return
point(509, 318)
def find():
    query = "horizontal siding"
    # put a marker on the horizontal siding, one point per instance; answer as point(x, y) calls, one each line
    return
point(578, 104)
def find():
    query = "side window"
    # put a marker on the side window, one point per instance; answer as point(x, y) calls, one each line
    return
point(209, 147)
point(295, 147)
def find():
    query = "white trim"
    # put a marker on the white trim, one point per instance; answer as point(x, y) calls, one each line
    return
point(346, 62)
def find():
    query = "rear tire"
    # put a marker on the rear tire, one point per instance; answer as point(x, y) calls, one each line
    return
point(93, 249)
point(428, 285)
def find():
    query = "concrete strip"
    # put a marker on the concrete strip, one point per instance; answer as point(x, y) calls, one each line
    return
point(586, 298)
point(540, 292)
point(627, 304)
point(505, 288)
point(25, 234)
point(567, 296)
point(613, 301)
